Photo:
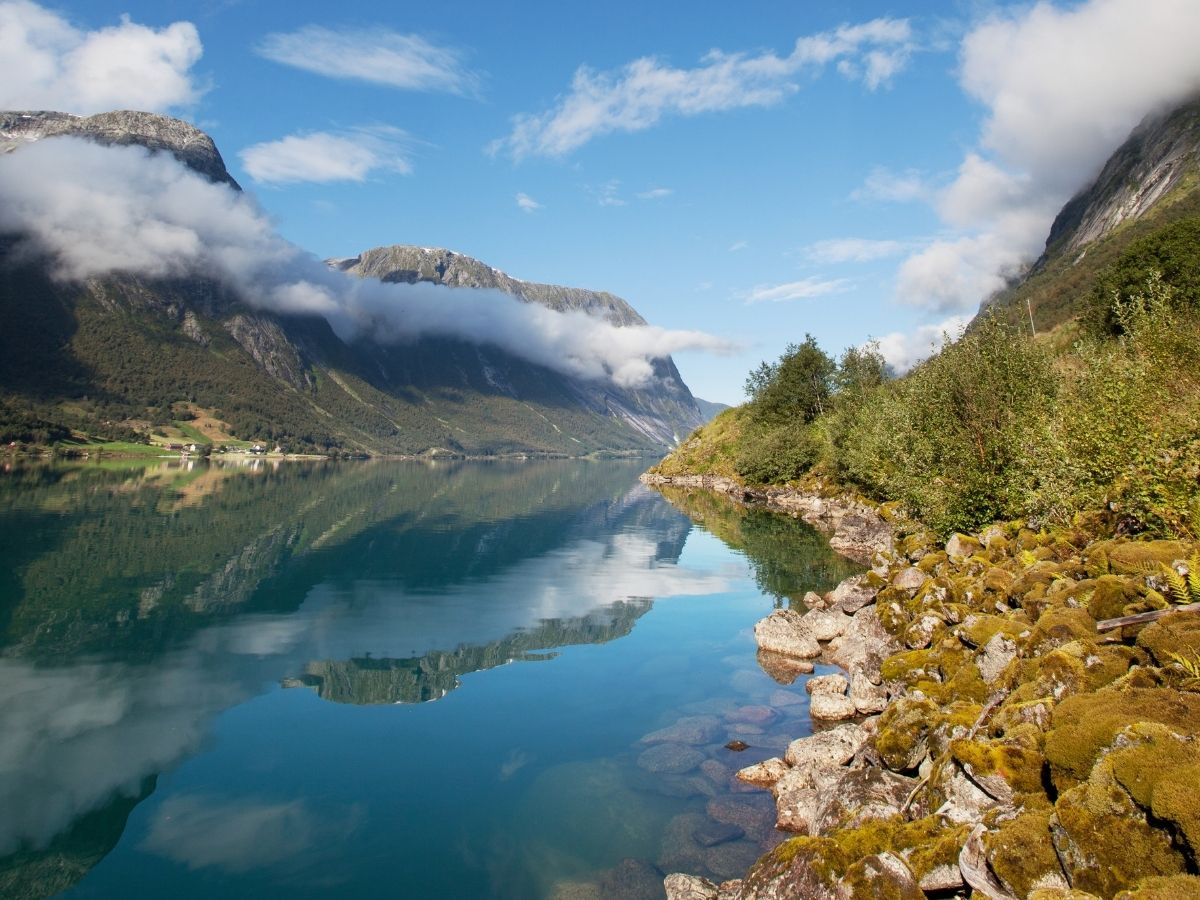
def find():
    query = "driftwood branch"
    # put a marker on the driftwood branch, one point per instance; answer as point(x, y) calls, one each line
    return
point(1141, 618)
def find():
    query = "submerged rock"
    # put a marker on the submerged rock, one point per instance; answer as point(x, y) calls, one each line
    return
point(674, 759)
point(688, 730)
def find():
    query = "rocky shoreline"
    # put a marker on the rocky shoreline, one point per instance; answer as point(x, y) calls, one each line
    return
point(996, 742)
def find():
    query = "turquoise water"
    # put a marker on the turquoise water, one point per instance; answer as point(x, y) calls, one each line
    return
point(383, 679)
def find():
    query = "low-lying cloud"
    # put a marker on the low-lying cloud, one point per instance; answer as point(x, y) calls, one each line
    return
point(48, 63)
point(1062, 88)
point(103, 210)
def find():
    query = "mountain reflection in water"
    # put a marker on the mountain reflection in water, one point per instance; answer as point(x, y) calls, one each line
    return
point(141, 608)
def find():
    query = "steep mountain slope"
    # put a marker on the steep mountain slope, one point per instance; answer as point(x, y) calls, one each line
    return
point(1151, 182)
point(122, 355)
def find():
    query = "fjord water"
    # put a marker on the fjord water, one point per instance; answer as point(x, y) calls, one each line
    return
point(383, 679)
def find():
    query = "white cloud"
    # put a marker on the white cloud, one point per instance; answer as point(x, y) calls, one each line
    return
point(1062, 89)
point(639, 94)
point(883, 184)
point(904, 350)
point(323, 156)
point(48, 63)
point(608, 194)
point(738, 245)
point(839, 250)
point(655, 193)
point(96, 210)
point(804, 289)
point(375, 55)
point(527, 203)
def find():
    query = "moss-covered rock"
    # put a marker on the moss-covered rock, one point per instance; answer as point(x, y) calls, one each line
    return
point(1110, 595)
point(903, 734)
point(882, 876)
point(1021, 853)
point(1175, 887)
point(1126, 557)
point(1106, 841)
point(1060, 625)
point(1005, 767)
point(1173, 638)
point(1083, 726)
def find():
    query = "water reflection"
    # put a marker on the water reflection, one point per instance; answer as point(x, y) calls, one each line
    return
point(150, 616)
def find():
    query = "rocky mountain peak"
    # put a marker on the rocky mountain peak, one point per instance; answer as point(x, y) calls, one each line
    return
point(1155, 159)
point(406, 263)
point(184, 141)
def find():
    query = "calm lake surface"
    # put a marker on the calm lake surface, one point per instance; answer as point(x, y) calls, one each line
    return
point(384, 679)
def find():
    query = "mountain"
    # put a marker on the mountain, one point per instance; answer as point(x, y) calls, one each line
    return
point(1149, 185)
point(127, 355)
point(710, 409)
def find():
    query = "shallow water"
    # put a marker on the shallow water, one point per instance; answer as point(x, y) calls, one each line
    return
point(220, 680)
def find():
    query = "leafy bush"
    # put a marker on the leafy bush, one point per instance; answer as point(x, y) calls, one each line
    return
point(793, 389)
point(772, 455)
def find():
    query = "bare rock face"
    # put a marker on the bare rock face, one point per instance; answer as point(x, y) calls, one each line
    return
point(184, 141)
point(784, 632)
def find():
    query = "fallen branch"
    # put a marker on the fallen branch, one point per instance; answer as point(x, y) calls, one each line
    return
point(1140, 618)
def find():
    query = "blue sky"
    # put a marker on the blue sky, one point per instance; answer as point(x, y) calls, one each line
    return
point(873, 180)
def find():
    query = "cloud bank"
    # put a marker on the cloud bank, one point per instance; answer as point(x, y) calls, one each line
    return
point(100, 210)
point(47, 63)
point(323, 156)
point(376, 55)
point(1062, 88)
point(639, 94)
point(904, 350)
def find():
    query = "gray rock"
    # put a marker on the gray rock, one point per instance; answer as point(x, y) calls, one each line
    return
point(782, 699)
point(710, 834)
point(910, 579)
point(753, 715)
point(862, 795)
point(689, 887)
point(829, 701)
point(765, 773)
point(864, 645)
point(851, 595)
point(826, 750)
point(826, 624)
point(672, 759)
point(882, 875)
point(997, 653)
point(867, 697)
point(784, 632)
point(688, 730)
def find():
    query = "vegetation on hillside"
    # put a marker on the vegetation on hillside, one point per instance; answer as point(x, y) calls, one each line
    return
point(1000, 424)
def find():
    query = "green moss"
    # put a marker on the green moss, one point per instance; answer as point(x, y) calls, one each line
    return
point(1016, 759)
point(1174, 887)
point(911, 666)
point(868, 878)
point(1173, 636)
point(1107, 844)
point(1060, 625)
point(1110, 595)
point(978, 629)
point(904, 730)
point(1134, 557)
point(1021, 851)
point(1084, 725)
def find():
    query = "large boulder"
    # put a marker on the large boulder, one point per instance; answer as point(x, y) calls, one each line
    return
point(785, 632)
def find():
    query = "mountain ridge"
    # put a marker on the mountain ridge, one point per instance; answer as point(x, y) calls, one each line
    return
point(128, 352)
